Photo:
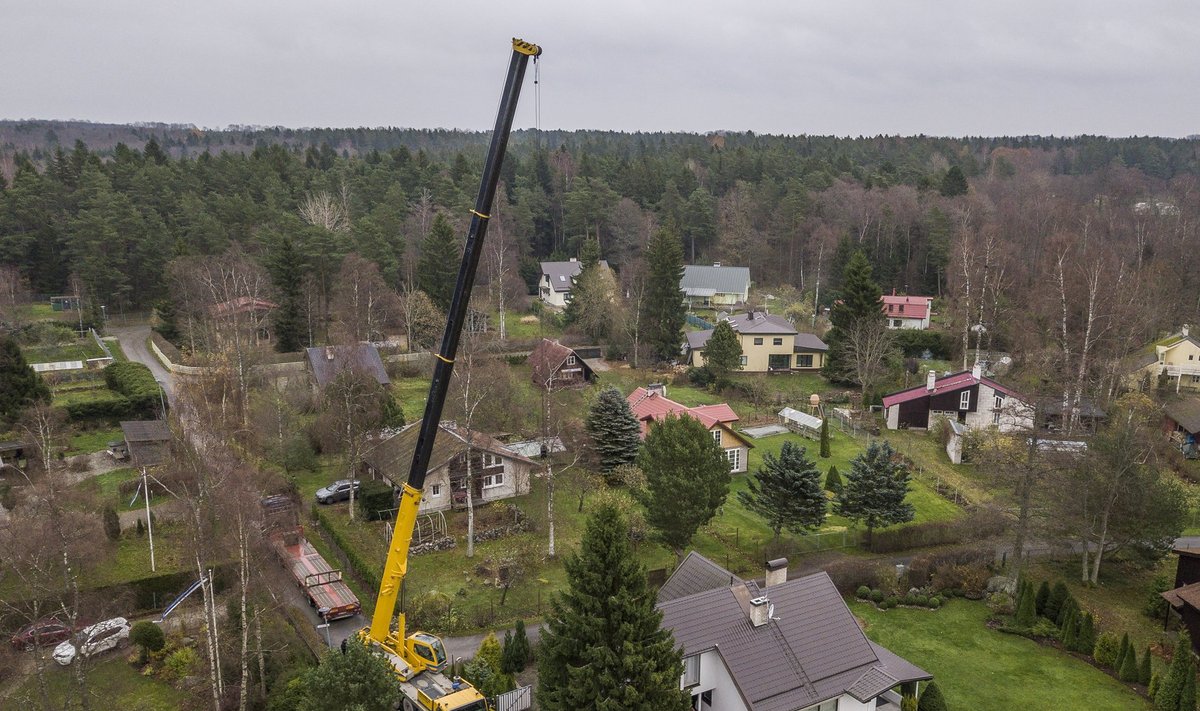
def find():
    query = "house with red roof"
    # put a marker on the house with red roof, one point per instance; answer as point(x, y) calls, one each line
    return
point(966, 397)
point(907, 311)
point(652, 405)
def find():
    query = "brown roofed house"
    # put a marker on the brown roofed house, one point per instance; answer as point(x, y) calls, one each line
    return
point(556, 366)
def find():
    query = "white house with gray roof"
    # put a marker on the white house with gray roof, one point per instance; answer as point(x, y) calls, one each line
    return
point(558, 278)
point(790, 645)
point(703, 285)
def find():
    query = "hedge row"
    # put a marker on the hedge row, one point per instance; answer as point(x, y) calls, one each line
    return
point(371, 574)
point(110, 406)
point(979, 524)
point(914, 343)
point(135, 382)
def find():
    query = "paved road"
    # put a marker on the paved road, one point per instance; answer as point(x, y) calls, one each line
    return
point(133, 342)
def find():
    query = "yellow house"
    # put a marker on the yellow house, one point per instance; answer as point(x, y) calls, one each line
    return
point(1175, 358)
point(769, 344)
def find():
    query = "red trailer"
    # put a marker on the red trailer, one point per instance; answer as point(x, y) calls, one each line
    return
point(321, 583)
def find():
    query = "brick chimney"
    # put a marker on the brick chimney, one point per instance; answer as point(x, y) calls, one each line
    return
point(930, 379)
point(759, 611)
point(776, 572)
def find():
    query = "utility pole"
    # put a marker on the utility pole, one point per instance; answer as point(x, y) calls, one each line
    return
point(149, 522)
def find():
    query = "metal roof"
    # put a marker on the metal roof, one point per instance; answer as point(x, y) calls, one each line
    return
point(721, 280)
point(696, 574)
point(809, 342)
point(949, 383)
point(562, 274)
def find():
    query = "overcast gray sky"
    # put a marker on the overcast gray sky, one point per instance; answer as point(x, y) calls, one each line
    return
point(844, 67)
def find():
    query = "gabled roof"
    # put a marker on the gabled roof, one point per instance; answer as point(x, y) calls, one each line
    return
point(703, 280)
point(327, 362)
point(548, 356)
point(562, 274)
point(949, 383)
point(913, 306)
point(761, 323)
point(1185, 411)
point(1187, 595)
point(649, 406)
point(393, 456)
point(146, 431)
point(696, 574)
point(810, 651)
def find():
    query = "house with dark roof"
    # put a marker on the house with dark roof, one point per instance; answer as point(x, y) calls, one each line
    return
point(558, 278)
point(717, 285)
point(652, 405)
point(1184, 600)
point(325, 363)
point(497, 472)
point(769, 344)
point(1172, 363)
point(790, 645)
point(966, 397)
point(555, 366)
point(1181, 422)
point(147, 442)
point(907, 311)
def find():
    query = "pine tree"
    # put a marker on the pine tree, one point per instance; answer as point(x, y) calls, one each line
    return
point(1027, 606)
point(954, 182)
point(687, 479)
point(833, 480)
point(1145, 669)
point(614, 430)
point(860, 302)
point(786, 491)
point(358, 679)
point(875, 489)
point(438, 267)
point(20, 386)
point(931, 698)
point(723, 352)
point(1043, 597)
point(287, 269)
point(603, 645)
point(825, 438)
point(1129, 667)
point(1054, 603)
point(663, 310)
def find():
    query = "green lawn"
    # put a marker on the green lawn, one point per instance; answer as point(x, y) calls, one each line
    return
point(92, 440)
point(113, 684)
point(518, 331)
point(106, 488)
point(81, 349)
point(980, 668)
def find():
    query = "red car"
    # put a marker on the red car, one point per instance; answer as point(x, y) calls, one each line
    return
point(47, 631)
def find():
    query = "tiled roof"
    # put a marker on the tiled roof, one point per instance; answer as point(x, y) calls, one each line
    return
point(914, 306)
point(696, 574)
point(393, 456)
point(949, 383)
point(722, 412)
point(810, 651)
point(650, 406)
point(326, 362)
point(562, 274)
point(146, 431)
point(701, 280)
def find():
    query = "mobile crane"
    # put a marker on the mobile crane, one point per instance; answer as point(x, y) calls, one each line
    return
point(420, 658)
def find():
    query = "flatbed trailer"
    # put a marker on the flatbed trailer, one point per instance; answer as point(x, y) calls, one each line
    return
point(320, 582)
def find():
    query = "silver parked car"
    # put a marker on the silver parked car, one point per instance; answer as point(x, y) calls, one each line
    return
point(100, 637)
point(337, 491)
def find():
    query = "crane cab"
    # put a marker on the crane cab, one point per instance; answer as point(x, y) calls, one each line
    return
point(425, 652)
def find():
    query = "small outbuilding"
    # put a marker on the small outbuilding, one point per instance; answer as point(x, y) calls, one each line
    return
point(148, 442)
point(801, 422)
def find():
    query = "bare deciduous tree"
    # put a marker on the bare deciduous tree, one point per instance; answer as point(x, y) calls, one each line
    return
point(362, 303)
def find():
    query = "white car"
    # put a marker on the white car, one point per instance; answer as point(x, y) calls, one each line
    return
point(100, 637)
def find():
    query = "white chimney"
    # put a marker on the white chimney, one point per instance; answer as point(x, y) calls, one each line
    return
point(977, 371)
point(328, 352)
point(776, 572)
point(660, 388)
point(1184, 330)
point(759, 612)
point(930, 379)
point(573, 259)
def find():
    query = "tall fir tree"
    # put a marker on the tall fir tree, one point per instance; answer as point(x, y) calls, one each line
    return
point(663, 310)
point(687, 479)
point(1122, 653)
point(825, 453)
point(723, 352)
point(614, 430)
point(438, 267)
point(786, 491)
point(287, 269)
point(20, 386)
point(1086, 640)
point(860, 302)
point(603, 646)
point(954, 182)
point(1027, 606)
point(875, 489)
point(1043, 596)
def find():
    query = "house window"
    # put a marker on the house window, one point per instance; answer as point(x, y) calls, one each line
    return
point(734, 456)
point(570, 360)
point(1191, 357)
point(491, 481)
point(717, 436)
point(997, 406)
point(744, 361)
point(758, 341)
point(492, 460)
point(964, 400)
point(895, 323)
point(900, 308)
point(435, 489)
point(777, 341)
point(891, 308)
point(691, 671)
point(702, 701)
point(804, 361)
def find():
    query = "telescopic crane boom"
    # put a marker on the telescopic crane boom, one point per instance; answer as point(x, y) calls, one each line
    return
point(423, 652)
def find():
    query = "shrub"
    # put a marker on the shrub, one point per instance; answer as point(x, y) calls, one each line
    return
point(914, 343)
point(982, 523)
point(375, 499)
point(1043, 596)
point(890, 602)
point(931, 699)
point(1002, 603)
point(863, 592)
point(298, 454)
point(935, 602)
point(1106, 649)
point(701, 377)
point(1129, 667)
point(850, 574)
point(1155, 606)
point(833, 482)
point(136, 383)
point(877, 595)
point(140, 528)
point(1044, 629)
point(180, 663)
point(112, 523)
point(148, 636)
point(1054, 603)
point(924, 569)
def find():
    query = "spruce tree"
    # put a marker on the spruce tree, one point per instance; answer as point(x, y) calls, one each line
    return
point(875, 489)
point(1087, 635)
point(723, 352)
point(1145, 669)
point(438, 267)
point(663, 309)
point(603, 645)
point(931, 698)
point(954, 182)
point(20, 386)
point(833, 480)
point(1129, 667)
point(1054, 603)
point(860, 302)
point(1043, 596)
point(1027, 606)
point(1122, 653)
point(687, 479)
point(614, 430)
point(786, 491)
point(825, 454)
point(287, 269)
point(1171, 687)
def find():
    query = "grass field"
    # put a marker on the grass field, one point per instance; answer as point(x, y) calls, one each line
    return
point(980, 668)
point(82, 349)
point(112, 682)
point(92, 440)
